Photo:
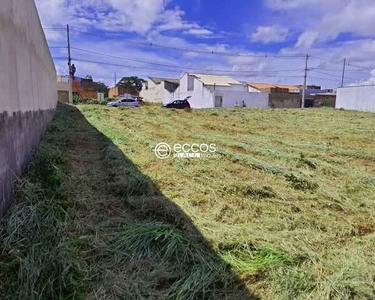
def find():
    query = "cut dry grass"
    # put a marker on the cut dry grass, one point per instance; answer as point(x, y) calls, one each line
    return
point(286, 209)
point(288, 202)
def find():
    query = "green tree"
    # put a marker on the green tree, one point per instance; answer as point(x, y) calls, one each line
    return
point(101, 87)
point(132, 84)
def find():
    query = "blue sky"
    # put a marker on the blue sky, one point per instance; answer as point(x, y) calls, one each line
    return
point(242, 31)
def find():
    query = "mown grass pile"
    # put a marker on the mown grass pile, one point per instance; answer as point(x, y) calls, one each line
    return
point(288, 202)
point(38, 260)
point(285, 210)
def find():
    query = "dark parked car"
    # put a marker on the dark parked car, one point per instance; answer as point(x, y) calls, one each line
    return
point(179, 104)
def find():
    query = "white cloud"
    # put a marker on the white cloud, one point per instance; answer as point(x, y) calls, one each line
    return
point(169, 27)
point(324, 20)
point(269, 34)
point(138, 16)
point(357, 17)
point(306, 40)
point(295, 4)
point(199, 32)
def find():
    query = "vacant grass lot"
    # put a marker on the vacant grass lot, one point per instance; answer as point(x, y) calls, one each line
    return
point(286, 209)
point(289, 202)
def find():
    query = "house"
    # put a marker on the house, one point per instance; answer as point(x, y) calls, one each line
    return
point(64, 89)
point(320, 99)
point(279, 95)
point(84, 88)
point(272, 88)
point(356, 98)
point(117, 91)
point(159, 90)
point(208, 91)
point(290, 96)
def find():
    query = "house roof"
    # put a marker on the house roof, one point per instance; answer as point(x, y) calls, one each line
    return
point(158, 80)
point(261, 86)
point(215, 79)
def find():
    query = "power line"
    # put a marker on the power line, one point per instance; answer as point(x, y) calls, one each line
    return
point(182, 68)
point(340, 62)
point(325, 60)
point(355, 71)
point(54, 28)
point(333, 75)
point(163, 70)
point(162, 46)
point(211, 52)
point(364, 68)
point(321, 78)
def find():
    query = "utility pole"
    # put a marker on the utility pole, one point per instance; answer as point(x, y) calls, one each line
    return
point(115, 79)
point(343, 73)
point(70, 67)
point(304, 82)
point(69, 58)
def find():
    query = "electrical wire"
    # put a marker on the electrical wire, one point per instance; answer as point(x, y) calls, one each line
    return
point(210, 52)
point(171, 71)
point(151, 44)
point(183, 68)
point(328, 74)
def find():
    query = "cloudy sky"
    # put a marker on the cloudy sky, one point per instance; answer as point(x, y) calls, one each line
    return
point(252, 40)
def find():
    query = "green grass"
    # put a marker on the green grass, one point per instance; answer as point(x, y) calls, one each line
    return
point(288, 202)
point(285, 209)
point(38, 259)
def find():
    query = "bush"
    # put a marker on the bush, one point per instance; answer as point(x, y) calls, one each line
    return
point(76, 99)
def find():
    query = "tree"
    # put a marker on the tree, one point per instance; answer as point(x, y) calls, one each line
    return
point(101, 87)
point(131, 85)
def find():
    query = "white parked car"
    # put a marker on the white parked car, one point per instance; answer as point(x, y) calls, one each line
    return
point(124, 102)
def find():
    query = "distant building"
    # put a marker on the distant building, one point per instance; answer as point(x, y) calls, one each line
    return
point(279, 95)
point(290, 96)
point(320, 100)
point(117, 91)
point(272, 88)
point(208, 91)
point(360, 98)
point(64, 89)
point(159, 90)
point(84, 88)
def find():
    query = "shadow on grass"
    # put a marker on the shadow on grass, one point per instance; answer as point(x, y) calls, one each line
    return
point(158, 249)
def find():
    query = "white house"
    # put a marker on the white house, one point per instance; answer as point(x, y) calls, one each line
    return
point(208, 91)
point(356, 98)
point(159, 90)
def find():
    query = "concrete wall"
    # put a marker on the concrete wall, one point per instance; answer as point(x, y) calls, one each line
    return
point(356, 98)
point(233, 99)
point(157, 93)
point(116, 92)
point(28, 89)
point(285, 100)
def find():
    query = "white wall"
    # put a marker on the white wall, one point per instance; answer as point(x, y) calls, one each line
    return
point(156, 93)
point(251, 99)
point(204, 96)
point(356, 98)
